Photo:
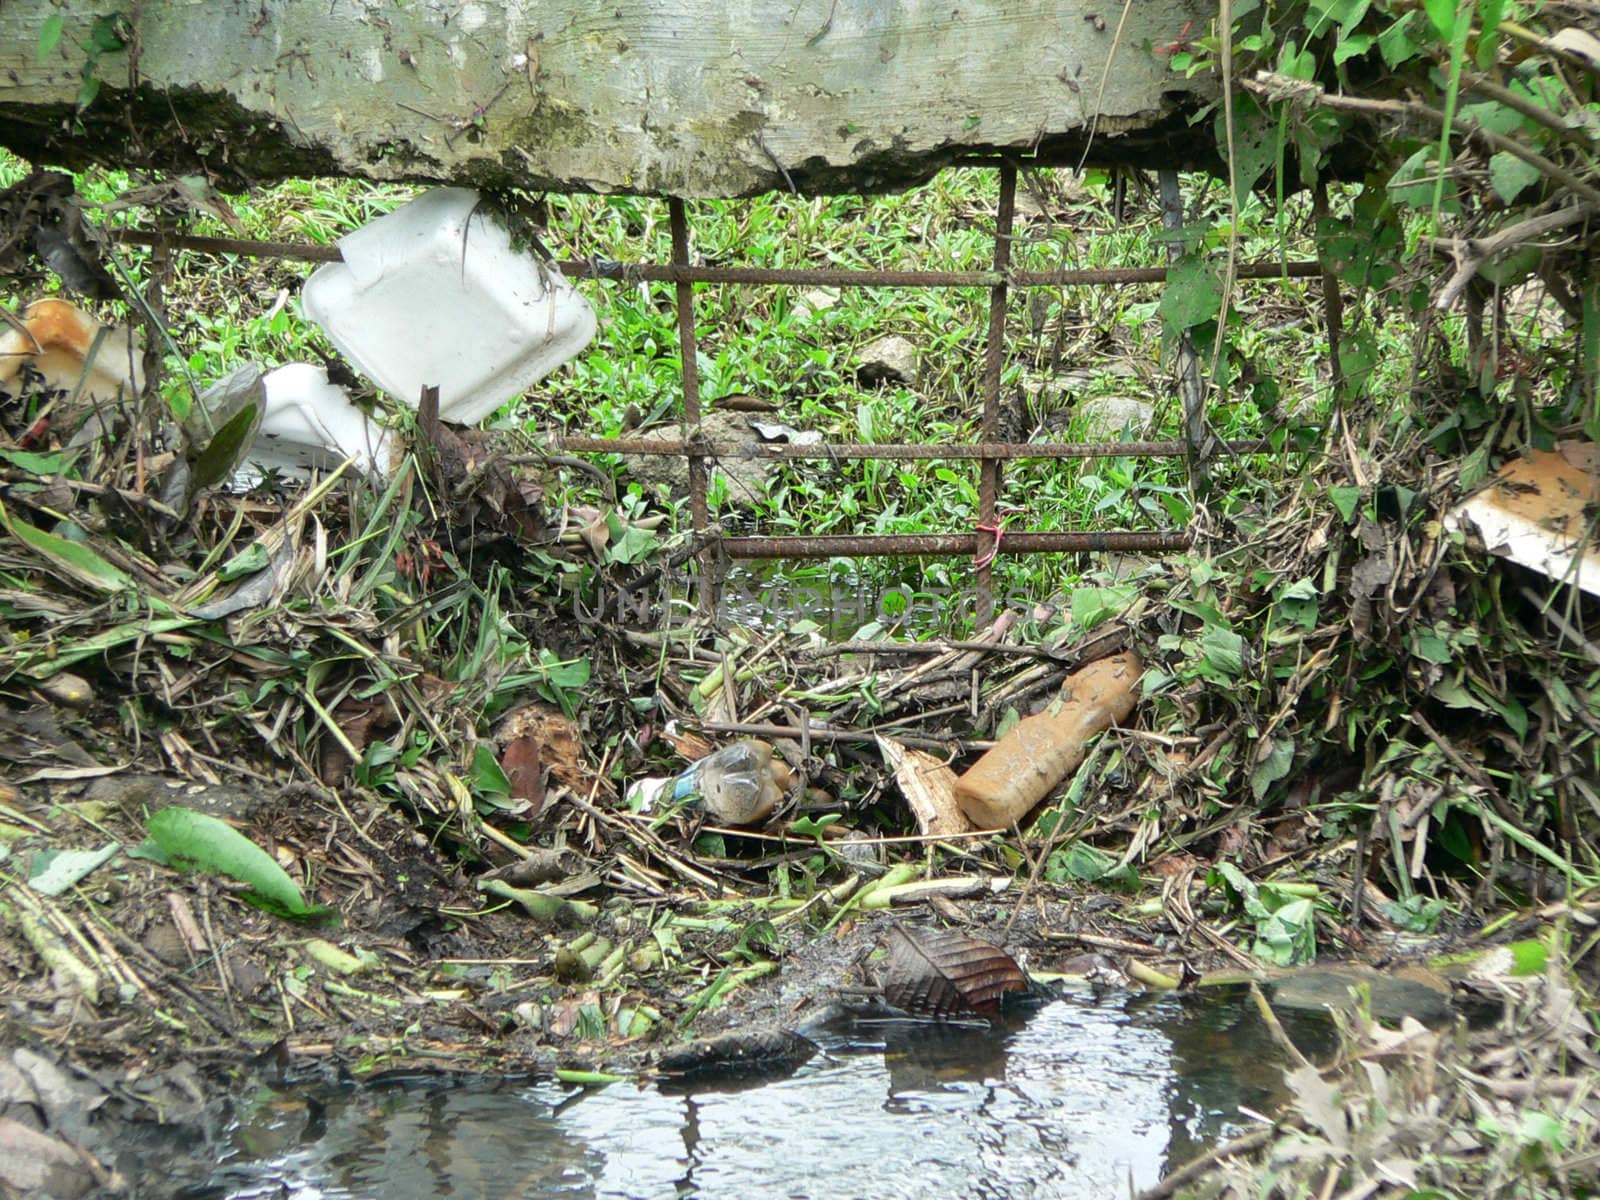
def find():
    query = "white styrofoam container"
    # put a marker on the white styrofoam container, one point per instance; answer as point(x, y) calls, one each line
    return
point(433, 293)
point(310, 423)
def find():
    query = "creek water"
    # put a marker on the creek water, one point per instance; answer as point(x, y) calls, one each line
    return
point(1091, 1093)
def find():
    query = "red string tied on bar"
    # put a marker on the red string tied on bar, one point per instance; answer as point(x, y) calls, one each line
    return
point(996, 531)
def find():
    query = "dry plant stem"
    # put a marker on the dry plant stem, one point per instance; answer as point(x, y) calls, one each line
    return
point(1472, 253)
point(889, 649)
point(824, 734)
point(1275, 1027)
point(1332, 302)
point(1520, 104)
point(1527, 36)
point(1105, 77)
point(1110, 943)
point(1275, 86)
point(129, 497)
point(1198, 1168)
point(1566, 627)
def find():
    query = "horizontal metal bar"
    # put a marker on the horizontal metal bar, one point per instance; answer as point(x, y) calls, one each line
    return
point(1007, 451)
point(890, 545)
point(249, 247)
point(796, 277)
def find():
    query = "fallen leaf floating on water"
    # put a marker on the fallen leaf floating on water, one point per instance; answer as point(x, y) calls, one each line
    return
point(944, 973)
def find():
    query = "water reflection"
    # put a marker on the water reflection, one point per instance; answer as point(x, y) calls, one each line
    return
point(1077, 1100)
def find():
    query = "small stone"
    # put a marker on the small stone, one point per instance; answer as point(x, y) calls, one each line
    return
point(746, 478)
point(1103, 418)
point(817, 300)
point(891, 359)
point(1391, 997)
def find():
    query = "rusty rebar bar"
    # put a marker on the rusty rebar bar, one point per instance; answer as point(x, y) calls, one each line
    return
point(738, 276)
point(994, 359)
point(1189, 383)
point(1005, 451)
point(688, 357)
point(845, 545)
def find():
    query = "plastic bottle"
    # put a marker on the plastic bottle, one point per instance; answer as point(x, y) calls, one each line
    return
point(1042, 750)
point(738, 785)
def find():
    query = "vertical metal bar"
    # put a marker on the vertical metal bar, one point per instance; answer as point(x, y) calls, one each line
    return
point(1194, 403)
point(159, 279)
point(688, 354)
point(1332, 301)
point(994, 359)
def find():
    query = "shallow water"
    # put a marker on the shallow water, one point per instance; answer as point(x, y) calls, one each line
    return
point(1083, 1097)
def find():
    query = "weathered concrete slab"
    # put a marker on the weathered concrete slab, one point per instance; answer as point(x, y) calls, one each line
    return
point(693, 97)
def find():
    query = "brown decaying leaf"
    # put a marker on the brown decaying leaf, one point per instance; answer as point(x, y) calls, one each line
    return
point(945, 973)
point(560, 747)
point(520, 761)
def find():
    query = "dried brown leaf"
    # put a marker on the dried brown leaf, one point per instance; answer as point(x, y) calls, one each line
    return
point(521, 761)
point(945, 973)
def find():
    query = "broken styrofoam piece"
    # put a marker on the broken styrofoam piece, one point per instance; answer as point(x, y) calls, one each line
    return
point(434, 294)
point(1533, 511)
point(310, 424)
point(60, 338)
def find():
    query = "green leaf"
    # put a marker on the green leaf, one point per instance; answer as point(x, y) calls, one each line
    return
point(50, 34)
point(54, 871)
point(486, 773)
point(199, 842)
point(1443, 15)
point(1239, 886)
point(813, 826)
point(1396, 43)
point(1255, 145)
point(1513, 713)
point(1193, 295)
point(1510, 269)
point(1452, 693)
point(1223, 650)
point(1413, 181)
point(1529, 958)
point(87, 93)
point(248, 561)
point(106, 35)
point(1296, 63)
point(1353, 46)
point(1091, 605)
point(1415, 914)
point(568, 674)
point(1289, 936)
point(1358, 356)
point(38, 464)
point(1432, 648)
point(226, 448)
point(73, 559)
point(628, 543)
point(1490, 13)
point(1509, 175)
point(1272, 766)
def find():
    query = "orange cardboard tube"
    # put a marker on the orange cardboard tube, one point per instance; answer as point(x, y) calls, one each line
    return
point(1040, 751)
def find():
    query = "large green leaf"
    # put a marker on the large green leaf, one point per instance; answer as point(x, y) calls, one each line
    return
point(1193, 295)
point(199, 842)
point(71, 559)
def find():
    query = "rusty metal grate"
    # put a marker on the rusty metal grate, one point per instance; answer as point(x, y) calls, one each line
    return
point(987, 539)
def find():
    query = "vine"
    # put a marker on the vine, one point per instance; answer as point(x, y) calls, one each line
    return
point(1472, 128)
